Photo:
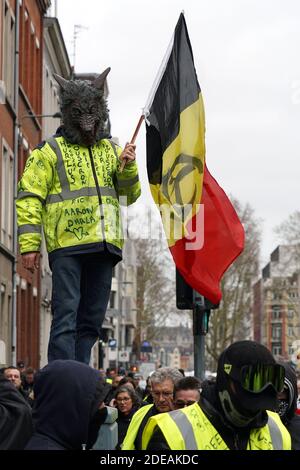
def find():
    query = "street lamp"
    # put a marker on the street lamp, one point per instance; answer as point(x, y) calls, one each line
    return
point(56, 115)
point(122, 316)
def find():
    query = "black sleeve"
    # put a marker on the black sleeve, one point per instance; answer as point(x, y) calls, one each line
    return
point(158, 441)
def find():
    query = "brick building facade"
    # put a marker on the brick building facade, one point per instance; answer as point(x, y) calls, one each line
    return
point(276, 304)
point(21, 102)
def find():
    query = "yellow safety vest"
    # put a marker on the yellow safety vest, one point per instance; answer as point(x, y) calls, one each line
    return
point(128, 443)
point(190, 429)
point(58, 191)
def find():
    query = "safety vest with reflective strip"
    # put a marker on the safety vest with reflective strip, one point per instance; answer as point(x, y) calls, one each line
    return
point(190, 429)
point(58, 190)
point(134, 426)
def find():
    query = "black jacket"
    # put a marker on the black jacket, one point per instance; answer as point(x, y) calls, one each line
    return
point(15, 418)
point(123, 423)
point(65, 406)
point(235, 438)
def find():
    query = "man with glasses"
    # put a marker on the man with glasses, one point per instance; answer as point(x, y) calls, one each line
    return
point(232, 413)
point(186, 392)
point(162, 383)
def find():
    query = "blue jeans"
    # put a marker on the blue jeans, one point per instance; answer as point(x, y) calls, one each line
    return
point(80, 293)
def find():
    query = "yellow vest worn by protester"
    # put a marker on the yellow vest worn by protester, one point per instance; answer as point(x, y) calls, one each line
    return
point(128, 443)
point(58, 190)
point(190, 429)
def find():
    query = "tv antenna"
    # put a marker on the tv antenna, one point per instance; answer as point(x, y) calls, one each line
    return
point(78, 28)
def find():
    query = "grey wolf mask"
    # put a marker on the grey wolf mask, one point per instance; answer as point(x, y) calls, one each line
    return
point(84, 109)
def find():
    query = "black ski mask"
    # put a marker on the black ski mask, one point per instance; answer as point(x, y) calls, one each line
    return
point(239, 405)
point(84, 109)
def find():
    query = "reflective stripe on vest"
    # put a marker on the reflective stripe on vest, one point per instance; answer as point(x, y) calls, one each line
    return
point(275, 434)
point(29, 228)
point(66, 193)
point(77, 193)
point(114, 148)
point(23, 194)
point(186, 429)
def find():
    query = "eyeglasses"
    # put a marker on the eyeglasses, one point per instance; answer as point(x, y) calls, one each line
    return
point(183, 404)
point(120, 400)
point(163, 394)
point(255, 378)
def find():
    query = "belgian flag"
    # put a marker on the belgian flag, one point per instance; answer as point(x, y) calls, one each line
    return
point(203, 231)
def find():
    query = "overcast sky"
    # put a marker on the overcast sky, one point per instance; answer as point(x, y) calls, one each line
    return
point(247, 57)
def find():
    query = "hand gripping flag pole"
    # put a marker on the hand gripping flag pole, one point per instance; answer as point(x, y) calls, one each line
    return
point(124, 161)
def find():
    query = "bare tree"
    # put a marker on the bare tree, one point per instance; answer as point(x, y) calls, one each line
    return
point(155, 285)
point(232, 320)
point(288, 233)
point(289, 230)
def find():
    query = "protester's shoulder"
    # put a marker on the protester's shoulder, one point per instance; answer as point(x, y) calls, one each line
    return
point(10, 395)
point(114, 142)
point(115, 145)
point(144, 410)
point(294, 422)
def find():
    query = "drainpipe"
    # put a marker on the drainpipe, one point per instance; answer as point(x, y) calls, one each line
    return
point(15, 169)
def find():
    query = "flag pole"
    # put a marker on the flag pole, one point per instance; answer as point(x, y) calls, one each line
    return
point(124, 161)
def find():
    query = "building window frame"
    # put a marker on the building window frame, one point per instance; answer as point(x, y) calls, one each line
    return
point(277, 349)
point(276, 331)
point(8, 60)
point(276, 313)
point(7, 196)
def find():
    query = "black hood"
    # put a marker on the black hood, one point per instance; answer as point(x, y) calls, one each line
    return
point(291, 382)
point(67, 394)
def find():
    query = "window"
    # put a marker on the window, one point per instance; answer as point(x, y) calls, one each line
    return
point(290, 330)
point(293, 295)
point(276, 349)
point(290, 314)
point(112, 300)
point(7, 198)
point(2, 301)
point(277, 331)
point(9, 52)
point(276, 314)
point(30, 60)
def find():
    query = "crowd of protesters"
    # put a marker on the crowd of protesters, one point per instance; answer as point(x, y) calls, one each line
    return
point(171, 411)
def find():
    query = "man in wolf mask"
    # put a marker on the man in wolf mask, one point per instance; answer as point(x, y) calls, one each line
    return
point(72, 186)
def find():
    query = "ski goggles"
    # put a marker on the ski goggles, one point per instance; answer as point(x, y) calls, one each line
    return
point(256, 378)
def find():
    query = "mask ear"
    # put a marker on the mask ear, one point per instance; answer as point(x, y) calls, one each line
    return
point(61, 81)
point(99, 81)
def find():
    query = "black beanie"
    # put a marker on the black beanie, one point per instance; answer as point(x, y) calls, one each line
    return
point(244, 353)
